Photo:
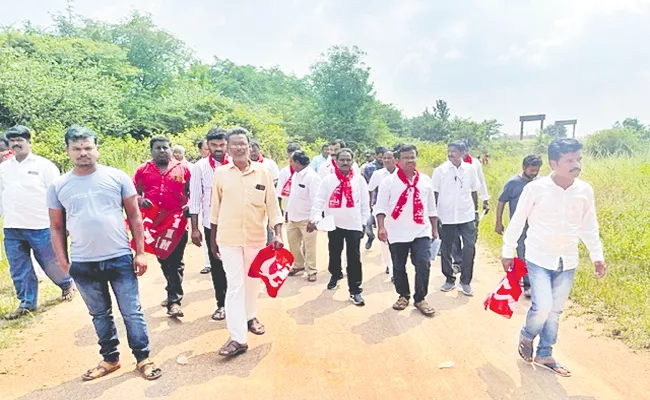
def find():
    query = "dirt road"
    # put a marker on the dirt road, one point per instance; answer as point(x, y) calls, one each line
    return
point(320, 346)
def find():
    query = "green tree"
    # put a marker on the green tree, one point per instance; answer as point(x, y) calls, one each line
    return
point(344, 94)
point(441, 110)
point(555, 131)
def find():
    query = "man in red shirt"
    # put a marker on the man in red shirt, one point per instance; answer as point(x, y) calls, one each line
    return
point(164, 182)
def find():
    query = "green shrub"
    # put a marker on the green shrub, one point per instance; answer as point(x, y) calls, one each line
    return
point(609, 142)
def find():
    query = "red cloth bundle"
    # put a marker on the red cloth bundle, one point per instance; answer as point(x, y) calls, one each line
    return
point(502, 300)
point(272, 267)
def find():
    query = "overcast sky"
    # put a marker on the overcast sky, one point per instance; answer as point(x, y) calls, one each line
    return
point(584, 59)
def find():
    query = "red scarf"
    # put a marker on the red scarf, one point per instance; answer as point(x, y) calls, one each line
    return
point(468, 159)
point(225, 160)
point(286, 189)
point(418, 208)
point(343, 189)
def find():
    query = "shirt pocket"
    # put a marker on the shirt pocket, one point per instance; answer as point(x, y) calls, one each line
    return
point(256, 197)
point(575, 210)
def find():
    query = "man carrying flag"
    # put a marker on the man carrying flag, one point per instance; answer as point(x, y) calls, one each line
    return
point(344, 197)
point(243, 200)
point(560, 211)
point(407, 219)
point(200, 195)
point(163, 183)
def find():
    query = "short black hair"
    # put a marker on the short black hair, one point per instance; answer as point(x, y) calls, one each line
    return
point(238, 131)
point(397, 147)
point(326, 145)
point(291, 147)
point(458, 145)
point(406, 148)
point(380, 150)
point(76, 133)
point(558, 147)
point(300, 157)
point(339, 142)
point(255, 142)
point(216, 134)
point(157, 139)
point(199, 144)
point(344, 150)
point(18, 131)
point(532, 160)
point(3, 139)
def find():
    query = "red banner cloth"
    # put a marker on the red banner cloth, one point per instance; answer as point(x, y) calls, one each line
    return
point(162, 230)
point(502, 300)
point(272, 267)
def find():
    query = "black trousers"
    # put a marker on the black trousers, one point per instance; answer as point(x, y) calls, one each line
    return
point(352, 240)
point(449, 234)
point(218, 274)
point(420, 250)
point(173, 267)
point(457, 251)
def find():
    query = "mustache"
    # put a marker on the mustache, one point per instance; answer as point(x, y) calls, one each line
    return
point(576, 169)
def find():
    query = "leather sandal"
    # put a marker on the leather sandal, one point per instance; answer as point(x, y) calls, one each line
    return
point(232, 348)
point(102, 369)
point(255, 327)
point(148, 369)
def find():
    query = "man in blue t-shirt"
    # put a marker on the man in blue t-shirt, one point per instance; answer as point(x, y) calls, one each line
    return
point(88, 203)
point(510, 194)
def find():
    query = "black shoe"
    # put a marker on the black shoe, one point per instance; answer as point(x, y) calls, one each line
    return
point(357, 300)
point(206, 270)
point(333, 283)
point(369, 243)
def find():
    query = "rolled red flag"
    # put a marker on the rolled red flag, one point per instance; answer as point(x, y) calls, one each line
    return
point(272, 267)
point(503, 299)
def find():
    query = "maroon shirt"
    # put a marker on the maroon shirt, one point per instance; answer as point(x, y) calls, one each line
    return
point(166, 190)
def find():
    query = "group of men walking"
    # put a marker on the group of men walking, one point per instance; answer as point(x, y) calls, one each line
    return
point(233, 196)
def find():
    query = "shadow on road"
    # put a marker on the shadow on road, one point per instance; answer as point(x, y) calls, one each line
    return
point(387, 324)
point(200, 369)
point(535, 384)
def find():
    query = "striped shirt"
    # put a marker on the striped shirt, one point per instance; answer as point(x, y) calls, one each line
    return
point(201, 188)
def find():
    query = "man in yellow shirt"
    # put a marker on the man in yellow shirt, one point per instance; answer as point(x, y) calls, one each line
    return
point(243, 200)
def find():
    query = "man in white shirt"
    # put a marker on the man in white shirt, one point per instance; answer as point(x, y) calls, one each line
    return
point(560, 211)
point(283, 185)
point(457, 252)
point(24, 180)
point(200, 194)
point(256, 155)
point(304, 187)
point(329, 166)
point(343, 196)
point(407, 220)
point(455, 184)
point(204, 151)
point(376, 179)
point(317, 161)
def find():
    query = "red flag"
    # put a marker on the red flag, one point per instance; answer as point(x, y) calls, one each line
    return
point(162, 230)
point(502, 300)
point(272, 267)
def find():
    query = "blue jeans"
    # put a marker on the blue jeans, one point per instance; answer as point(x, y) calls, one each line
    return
point(18, 245)
point(368, 228)
point(549, 289)
point(92, 280)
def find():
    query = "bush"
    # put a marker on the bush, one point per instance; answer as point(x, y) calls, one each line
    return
point(610, 142)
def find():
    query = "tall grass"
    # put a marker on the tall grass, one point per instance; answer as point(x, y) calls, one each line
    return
point(622, 191)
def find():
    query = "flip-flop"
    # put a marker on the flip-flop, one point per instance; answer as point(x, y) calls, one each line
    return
point(67, 294)
point(554, 367)
point(526, 351)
